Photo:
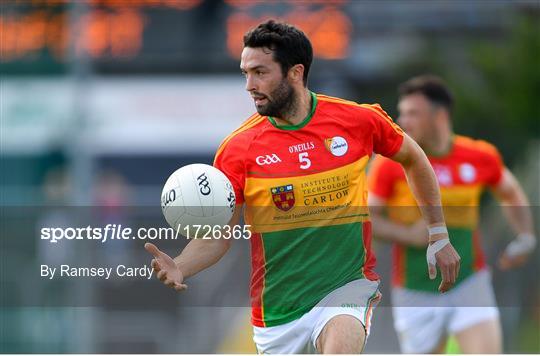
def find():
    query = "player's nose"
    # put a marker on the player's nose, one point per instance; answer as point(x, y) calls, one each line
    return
point(250, 83)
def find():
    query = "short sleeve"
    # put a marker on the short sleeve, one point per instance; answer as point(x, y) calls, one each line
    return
point(387, 135)
point(494, 164)
point(381, 177)
point(229, 160)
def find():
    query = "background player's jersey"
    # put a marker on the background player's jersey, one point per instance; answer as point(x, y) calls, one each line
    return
point(305, 193)
point(463, 174)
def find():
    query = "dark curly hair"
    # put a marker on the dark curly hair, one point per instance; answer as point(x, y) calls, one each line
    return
point(289, 45)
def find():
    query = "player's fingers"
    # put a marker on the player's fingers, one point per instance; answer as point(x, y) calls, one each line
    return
point(169, 282)
point(506, 262)
point(445, 276)
point(179, 286)
point(150, 247)
point(432, 270)
point(452, 274)
point(155, 265)
point(161, 275)
point(444, 286)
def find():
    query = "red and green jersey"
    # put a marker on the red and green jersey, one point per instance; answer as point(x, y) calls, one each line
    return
point(305, 195)
point(463, 174)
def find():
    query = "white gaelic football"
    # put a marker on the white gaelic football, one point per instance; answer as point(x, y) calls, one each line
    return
point(197, 194)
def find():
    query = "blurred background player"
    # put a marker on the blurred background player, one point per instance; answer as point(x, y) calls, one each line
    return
point(465, 168)
point(313, 287)
point(91, 87)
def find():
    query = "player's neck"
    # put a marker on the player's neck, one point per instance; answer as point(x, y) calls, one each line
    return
point(440, 145)
point(299, 110)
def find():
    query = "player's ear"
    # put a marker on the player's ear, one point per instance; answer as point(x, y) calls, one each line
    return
point(442, 116)
point(296, 73)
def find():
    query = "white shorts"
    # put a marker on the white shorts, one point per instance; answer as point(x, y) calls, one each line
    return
point(423, 319)
point(357, 298)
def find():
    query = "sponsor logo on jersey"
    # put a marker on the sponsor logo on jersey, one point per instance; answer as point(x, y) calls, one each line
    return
point(283, 197)
point(467, 172)
point(324, 191)
point(267, 159)
point(444, 175)
point(336, 145)
point(301, 147)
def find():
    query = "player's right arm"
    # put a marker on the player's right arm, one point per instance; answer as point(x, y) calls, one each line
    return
point(423, 183)
point(390, 231)
point(198, 255)
point(382, 179)
point(390, 141)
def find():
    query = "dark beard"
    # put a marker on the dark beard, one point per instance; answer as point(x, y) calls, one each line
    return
point(282, 102)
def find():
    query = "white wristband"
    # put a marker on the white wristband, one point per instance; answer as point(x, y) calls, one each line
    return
point(436, 230)
point(522, 244)
point(433, 249)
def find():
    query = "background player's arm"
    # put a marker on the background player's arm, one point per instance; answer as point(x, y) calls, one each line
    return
point(421, 180)
point(517, 211)
point(423, 184)
point(390, 231)
point(198, 255)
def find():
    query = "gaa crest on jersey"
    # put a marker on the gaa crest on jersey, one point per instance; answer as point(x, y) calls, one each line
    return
point(336, 145)
point(283, 197)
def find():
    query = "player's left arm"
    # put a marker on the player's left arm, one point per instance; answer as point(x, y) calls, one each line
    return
point(518, 213)
point(423, 183)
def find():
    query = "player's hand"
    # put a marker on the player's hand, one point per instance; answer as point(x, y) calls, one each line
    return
point(165, 268)
point(517, 252)
point(441, 253)
point(417, 234)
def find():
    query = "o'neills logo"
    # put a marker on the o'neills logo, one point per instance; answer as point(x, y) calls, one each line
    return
point(337, 145)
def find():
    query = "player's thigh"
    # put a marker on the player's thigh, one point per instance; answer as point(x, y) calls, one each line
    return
point(475, 322)
point(342, 334)
point(349, 307)
point(477, 329)
point(484, 337)
point(421, 320)
point(421, 329)
point(289, 338)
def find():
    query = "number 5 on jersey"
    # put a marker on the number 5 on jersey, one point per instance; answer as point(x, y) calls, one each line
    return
point(304, 159)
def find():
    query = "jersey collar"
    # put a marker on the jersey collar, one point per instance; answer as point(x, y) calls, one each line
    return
point(301, 124)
